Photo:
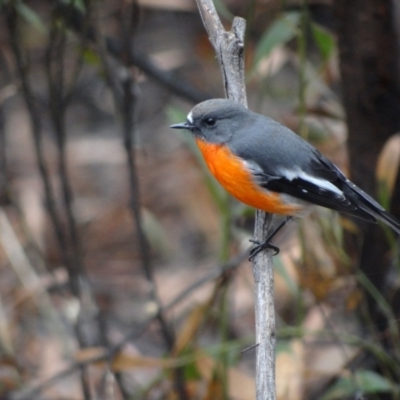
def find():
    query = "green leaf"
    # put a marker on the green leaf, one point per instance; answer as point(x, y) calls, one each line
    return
point(79, 5)
point(281, 31)
point(283, 346)
point(223, 10)
point(362, 381)
point(371, 382)
point(30, 16)
point(91, 57)
point(342, 388)
point(191, 372)
point(324, 39)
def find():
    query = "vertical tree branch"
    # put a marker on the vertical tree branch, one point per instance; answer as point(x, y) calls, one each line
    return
point(123, 87)
point(229, 47)
point(34, 114)
point(265, 312)
point(90, 328)
point(54, 63)
point(36, 127)
point(3, 159)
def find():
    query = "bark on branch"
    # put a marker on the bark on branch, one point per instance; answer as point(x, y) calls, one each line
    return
point(229, 47)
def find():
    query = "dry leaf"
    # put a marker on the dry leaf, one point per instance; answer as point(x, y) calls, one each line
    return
point(205, 365)
point(388, 163)
point(124, 362)
point(89, 353)
point(215, 389)
point(190, 327)
point(348, 225)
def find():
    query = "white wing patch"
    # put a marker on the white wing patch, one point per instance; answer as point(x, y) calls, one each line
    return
point(322, 183)
point(293, 174)
point(190, 117)
point(252, 166)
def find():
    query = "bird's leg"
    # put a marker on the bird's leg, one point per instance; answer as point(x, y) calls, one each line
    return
point(266, 244)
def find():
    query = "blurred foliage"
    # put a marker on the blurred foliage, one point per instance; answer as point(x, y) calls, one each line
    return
point(199, 343)
point(284, 29)
point(324, 40)
point(365, 382)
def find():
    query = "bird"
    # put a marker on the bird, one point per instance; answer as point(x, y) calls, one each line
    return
point(267, 166)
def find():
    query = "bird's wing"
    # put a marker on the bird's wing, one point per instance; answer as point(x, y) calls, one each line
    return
point(335, 192)
point(283, 162)
point(326, 187)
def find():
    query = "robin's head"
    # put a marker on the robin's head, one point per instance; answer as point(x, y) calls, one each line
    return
point(215, 120)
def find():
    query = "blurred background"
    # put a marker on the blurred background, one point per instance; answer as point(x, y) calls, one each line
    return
point(123, 264)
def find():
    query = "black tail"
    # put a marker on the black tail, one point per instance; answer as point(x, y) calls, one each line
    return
point(389, 220)
point(367, 207)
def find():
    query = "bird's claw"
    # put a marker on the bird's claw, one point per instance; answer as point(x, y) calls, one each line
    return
point(260, 247)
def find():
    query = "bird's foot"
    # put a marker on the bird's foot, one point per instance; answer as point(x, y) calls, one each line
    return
point(260, 247)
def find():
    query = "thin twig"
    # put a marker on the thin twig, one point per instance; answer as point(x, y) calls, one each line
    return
point(6, 92)
point(128, 131)
point(36, 126)
point(90, 313)
point(3, 159)
point(55, 77)
point(123, 88)
point(176, 84)
point(54, 63)
point(26, 273)
point(229, 47)
point(129, 125)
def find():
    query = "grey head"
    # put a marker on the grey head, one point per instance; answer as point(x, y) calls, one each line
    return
point(215, 120)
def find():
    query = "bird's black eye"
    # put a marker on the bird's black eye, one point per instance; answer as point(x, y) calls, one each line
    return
point(210, 121)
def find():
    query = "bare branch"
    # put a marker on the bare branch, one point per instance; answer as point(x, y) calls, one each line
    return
point(229, 47)
point(265, 313)
point(123, 87)
point(36, 126)
point(178, 85)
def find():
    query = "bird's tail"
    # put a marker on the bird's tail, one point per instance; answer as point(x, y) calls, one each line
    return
point(367, 205)
point(389, 220)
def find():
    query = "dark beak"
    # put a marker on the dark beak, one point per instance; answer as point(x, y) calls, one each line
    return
point(182, 125)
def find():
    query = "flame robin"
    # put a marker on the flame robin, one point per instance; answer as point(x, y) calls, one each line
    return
point(267, 166)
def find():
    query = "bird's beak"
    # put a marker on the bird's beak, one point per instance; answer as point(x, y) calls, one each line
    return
point(182, 125)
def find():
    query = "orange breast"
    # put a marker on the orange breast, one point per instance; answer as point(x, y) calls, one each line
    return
point(232, 174)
